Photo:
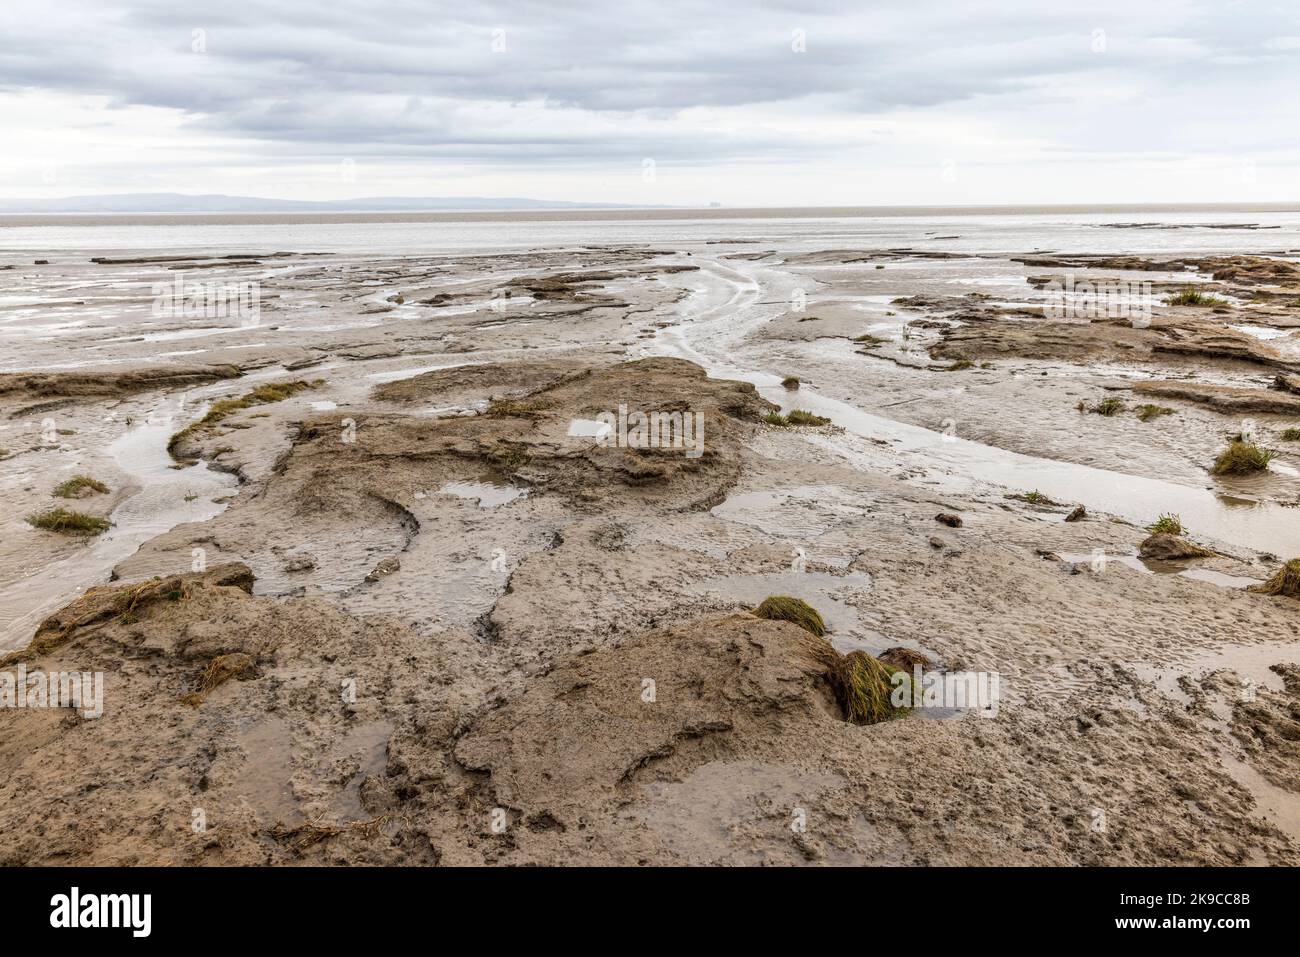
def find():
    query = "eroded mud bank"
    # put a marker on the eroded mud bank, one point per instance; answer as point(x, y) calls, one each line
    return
point(438, 623)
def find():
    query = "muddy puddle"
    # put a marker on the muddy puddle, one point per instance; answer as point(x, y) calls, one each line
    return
point(1184, 569)
point(486, 494)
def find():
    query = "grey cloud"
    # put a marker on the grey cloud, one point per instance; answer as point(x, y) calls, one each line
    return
point(307, 73)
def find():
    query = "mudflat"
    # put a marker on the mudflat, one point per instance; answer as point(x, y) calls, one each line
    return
point(453, 556)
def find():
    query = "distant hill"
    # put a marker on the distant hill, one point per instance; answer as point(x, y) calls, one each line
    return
point(215, 203)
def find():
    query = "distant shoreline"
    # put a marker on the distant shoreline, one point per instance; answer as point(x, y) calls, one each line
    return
point(630, 214)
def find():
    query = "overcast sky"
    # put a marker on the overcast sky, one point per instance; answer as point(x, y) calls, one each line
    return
point(813, 103)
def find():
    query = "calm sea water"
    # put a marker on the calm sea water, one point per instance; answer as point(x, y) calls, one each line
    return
point(1017, 230)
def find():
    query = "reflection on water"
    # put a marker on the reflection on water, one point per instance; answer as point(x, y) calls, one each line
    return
point(487, 494)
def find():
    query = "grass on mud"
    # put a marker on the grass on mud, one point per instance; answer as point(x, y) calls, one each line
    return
point(1108, 406)
point(794, 610)
point(1285, 581)
point(795, 417)
point(960, 365)
point(224, 408)
point(1291, 435)
point(869, 340)
point(79, 486)
point(1148, 412)
point(1242, 457)
point(65, 520)
point(790, 382)
point(864, 688)
point(1167, 524)
point(862, 684)
point(1194, 297)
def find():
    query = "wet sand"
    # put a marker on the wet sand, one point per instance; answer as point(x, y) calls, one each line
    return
point(422, 523)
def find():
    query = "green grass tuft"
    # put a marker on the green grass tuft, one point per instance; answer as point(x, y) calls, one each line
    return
point(1108, 406)
point(790, 382)
point(1148, 412)
point(959, 365)
point(79, 486)
point(1285, 581)
point(1167, 524)
point(796, 417)
point(1242, 457)
point(863, 688)
point(1194, 297)
point(804, 417)
point(1290, 435)
point(869, 340)
point(794, 610)
point(63, 520)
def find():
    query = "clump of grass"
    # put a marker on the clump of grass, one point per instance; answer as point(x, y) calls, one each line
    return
point(218, 671)
point(804, 417)
point(1285, 581)
point(1194, 297)
point(960, 364)
point(867, 339)
point(863, 688)
point(796, 417)
point(790, 382)
point(1167, 524)
point(1037, 498)
point(64, 520)
point(794, 610)
point(1148, 412)
point(1242, 457)
point(506, 407)
point(4, 454)
point(79, 486)
point(224, 408)
point(1108, 406)
point(1290, 435)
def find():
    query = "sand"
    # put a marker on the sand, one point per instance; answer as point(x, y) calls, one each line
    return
point(417, 612)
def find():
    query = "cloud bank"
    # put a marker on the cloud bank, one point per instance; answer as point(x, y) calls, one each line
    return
point(673, 101)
